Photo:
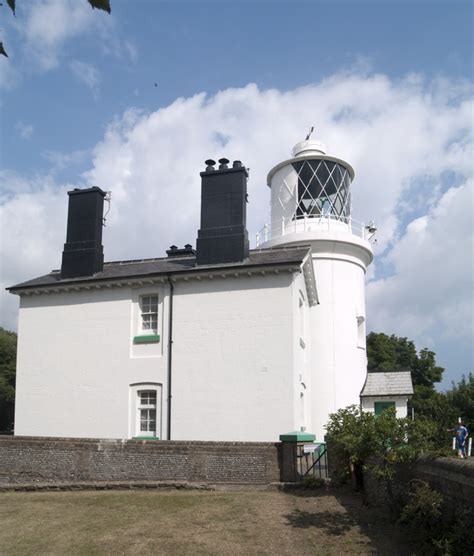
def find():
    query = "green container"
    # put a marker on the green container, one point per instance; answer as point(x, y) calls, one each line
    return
point(297, 437)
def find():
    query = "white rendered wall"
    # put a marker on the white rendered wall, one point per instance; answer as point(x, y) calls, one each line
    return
point(76, 362)
point(340, 361)
point(233, 376)
point(233, 365)
point(301, 356)
point(401, 404)
point(336, 347)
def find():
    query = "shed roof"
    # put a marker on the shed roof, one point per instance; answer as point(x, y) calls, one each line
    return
point(389, 383)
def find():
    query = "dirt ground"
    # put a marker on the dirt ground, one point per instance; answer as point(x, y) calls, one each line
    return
point(194, 522)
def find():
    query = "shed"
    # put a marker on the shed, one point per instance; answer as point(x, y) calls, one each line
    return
point(385, 389)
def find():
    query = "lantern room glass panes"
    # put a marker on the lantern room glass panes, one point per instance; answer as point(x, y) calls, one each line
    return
point(149, 313)
point(323, 189)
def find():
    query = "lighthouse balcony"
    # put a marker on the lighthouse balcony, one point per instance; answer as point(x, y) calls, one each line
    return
point(308, 225)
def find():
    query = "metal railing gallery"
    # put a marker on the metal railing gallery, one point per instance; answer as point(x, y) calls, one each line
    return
point(307, 223)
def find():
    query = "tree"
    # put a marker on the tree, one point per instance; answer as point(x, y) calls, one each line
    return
point(392, 353)
point(461, 399)
point(388, 353)
point(99, 4)
point(8, 343)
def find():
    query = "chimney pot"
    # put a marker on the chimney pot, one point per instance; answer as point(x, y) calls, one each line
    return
point(237, 164)
point(223, 163)
point(210, 165)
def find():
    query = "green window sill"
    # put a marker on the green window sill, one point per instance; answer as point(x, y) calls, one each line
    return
point(147, 339)
point(146, 438)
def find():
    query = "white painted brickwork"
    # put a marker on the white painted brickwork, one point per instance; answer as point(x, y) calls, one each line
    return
point(234, 374)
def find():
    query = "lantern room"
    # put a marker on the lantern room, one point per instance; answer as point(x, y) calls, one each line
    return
point(310, 190)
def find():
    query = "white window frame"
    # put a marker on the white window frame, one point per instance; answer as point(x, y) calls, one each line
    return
point(137, 405)
point(152, 305)
point(147, 404)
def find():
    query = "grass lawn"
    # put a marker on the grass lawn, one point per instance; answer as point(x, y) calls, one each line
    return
point(192, 522)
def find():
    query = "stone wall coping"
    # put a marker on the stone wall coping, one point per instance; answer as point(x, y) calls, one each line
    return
point(456, 465)
point(134, 442)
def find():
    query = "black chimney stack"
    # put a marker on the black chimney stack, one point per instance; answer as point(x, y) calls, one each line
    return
point(223, 236)
point(83, 253)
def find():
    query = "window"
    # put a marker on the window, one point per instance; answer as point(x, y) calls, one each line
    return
point(147, 412)
point(149, 313)
point(147, 320)
point(145, 419)
point(361, 332)
point(380, 407)
point(302, 317)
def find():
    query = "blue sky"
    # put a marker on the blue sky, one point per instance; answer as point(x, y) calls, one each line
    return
point(388, 86)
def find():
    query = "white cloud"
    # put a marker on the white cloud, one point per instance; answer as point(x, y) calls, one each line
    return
point(50, 23)
point(60, 160)
point(87, 74)
point(131, 51)
point(402, 137)
point(25, 131)
point(429, 294)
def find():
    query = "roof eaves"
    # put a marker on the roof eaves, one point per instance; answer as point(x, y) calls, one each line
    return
point(150, 277)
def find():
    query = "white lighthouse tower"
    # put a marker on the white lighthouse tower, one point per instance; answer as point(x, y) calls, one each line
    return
point(311, 205)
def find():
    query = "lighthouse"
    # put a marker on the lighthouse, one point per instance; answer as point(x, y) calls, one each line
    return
point(217, 343)
point(311, 206)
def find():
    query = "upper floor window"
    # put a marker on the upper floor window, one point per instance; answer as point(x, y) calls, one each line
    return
point(149, 313)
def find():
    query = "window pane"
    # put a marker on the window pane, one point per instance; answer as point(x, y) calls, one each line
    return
point(149, 312)
point(144, 396)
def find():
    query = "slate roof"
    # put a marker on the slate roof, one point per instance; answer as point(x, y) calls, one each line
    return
point(169, 266)
point(390, 383)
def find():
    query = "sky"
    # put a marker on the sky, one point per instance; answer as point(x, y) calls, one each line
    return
point(135, 101)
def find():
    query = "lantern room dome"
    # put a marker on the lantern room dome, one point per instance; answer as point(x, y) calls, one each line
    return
point(309, 147)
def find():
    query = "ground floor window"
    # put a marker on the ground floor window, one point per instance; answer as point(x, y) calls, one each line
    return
point(379, 407)
point(145, 409)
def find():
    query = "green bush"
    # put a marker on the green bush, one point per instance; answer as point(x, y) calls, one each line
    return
point(359, 437)
point(436, 531)
point(423, 513)
point(312, 482)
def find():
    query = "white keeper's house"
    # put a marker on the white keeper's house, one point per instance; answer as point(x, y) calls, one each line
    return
point(214, 343)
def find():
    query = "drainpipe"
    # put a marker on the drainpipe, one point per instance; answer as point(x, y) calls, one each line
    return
point(170, 353)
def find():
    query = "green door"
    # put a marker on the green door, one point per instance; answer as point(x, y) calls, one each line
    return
point(382, 406)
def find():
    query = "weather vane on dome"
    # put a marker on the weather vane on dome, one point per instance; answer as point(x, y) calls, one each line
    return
point(309, 134)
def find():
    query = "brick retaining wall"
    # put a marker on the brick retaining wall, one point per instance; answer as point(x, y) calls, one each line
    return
point(44, 460)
